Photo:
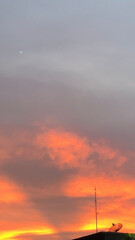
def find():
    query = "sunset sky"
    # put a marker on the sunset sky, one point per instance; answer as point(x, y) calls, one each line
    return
point(67, 117)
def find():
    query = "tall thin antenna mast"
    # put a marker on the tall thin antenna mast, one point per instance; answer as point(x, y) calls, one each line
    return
point(96, 209)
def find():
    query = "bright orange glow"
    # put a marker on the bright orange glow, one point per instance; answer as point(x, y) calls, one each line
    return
point(10, 192)
point(40, 231)
point(80, 186)
point(115, 191)
point(64, 148)
point(87, 227)
point(68, 149)
point(108, 214)
point(105, 223)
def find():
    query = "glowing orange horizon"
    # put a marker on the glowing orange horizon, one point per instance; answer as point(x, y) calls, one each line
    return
point(16, 233)
point(68, 150)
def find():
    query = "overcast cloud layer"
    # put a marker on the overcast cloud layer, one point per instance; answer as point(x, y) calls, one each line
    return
point(67, 113)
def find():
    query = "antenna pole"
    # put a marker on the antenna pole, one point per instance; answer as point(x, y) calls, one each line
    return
point(96, 209)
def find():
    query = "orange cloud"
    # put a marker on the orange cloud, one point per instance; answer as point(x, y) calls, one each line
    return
point(114, 198)
point(70, 150)
point(20, 218)
point(64, 148)
point(109, 211)
point(15, 145)
point(10, 192)
point(105, 153)
point(107, 187)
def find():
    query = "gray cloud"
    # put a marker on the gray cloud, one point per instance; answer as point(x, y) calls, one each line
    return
point(63, 208)
point(35, 174)
point(77, 74)
point(77, 67)
point(107, 114)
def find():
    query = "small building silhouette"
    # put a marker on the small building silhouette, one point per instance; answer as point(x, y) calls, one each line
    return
point(108, 236)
